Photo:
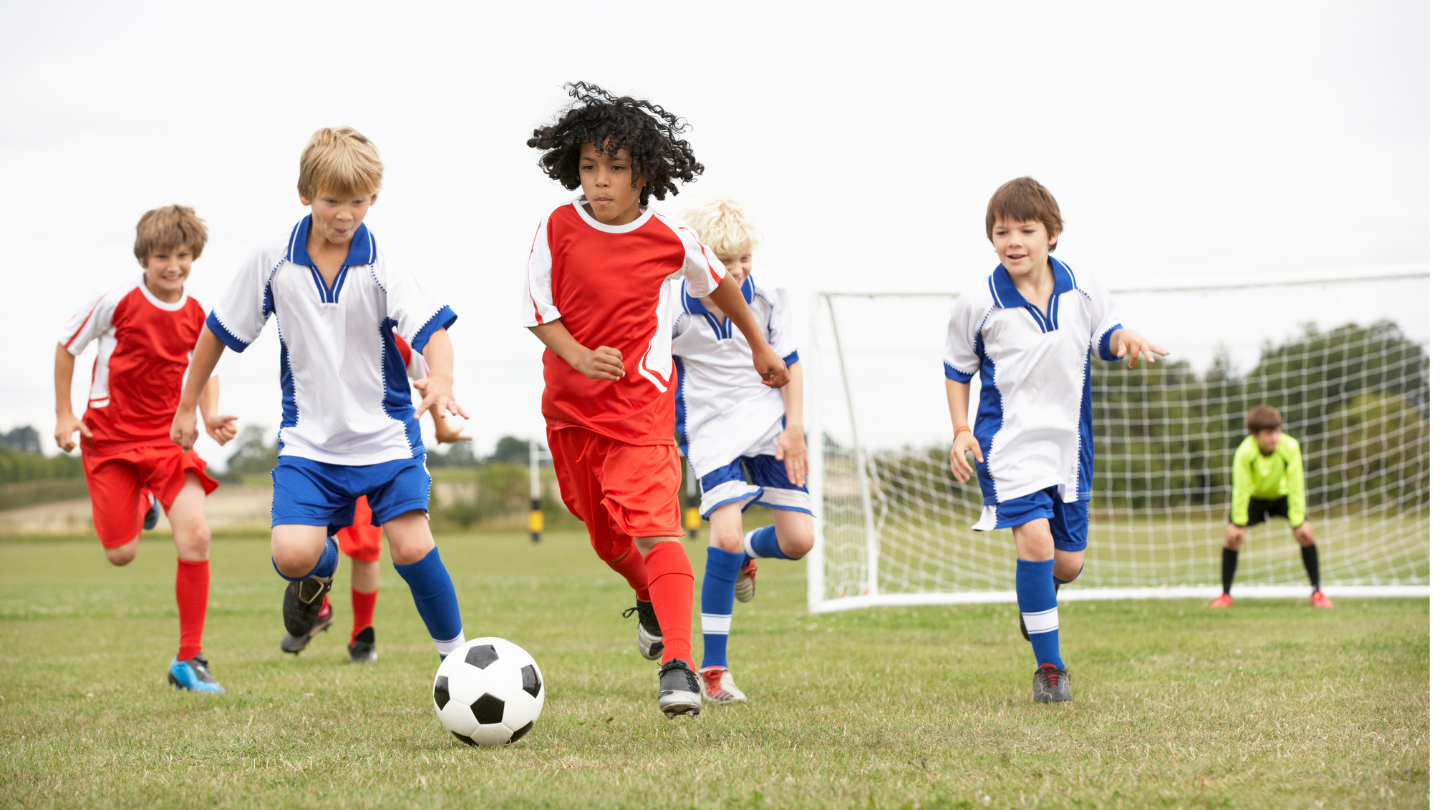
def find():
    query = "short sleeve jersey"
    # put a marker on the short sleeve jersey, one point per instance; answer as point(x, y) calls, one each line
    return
point(610, 285)
point(1033, 420)
point(1278, 475)
point(721, 406)
point(345, 397)
point(145, 347)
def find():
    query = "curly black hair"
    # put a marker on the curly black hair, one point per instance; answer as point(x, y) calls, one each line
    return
point(658, 156)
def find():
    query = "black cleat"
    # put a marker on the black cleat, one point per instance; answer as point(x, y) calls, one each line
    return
point(648, 636)
point(1052, 684)
point(362, 649)
point(301, 609)
point(679, 689)
point(1024, 633)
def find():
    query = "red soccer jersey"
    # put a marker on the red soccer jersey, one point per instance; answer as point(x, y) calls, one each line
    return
point(145, 347)
point(610, 286)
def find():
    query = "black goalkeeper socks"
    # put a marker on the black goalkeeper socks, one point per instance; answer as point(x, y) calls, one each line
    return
point(1229, 559)
point(1312, 564)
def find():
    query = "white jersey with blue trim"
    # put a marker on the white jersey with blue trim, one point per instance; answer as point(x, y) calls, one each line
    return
point(345, 396)
point(1033, 421)
point(722, 409)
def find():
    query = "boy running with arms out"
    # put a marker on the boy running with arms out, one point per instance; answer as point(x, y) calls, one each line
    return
point(597, 295)
point(360, 541)
point(1029, 330)
point(348, 426)
point(731, 423)
point(147, 331)
point(1268, 480)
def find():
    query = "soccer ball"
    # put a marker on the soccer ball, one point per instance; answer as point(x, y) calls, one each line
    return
point(488, 692)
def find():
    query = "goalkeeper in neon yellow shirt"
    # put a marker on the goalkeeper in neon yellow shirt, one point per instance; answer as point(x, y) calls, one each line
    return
point(1268, 480)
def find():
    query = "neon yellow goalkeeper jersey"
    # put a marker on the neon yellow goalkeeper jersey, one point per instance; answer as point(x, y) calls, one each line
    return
point(1278, 475)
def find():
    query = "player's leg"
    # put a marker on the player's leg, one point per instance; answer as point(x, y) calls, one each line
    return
point(114, 485)
point(191, 669)
point(1030, 520)
point(417, 560)
point(1310, 555)
point(724, 559)
point(792, 535)
point(672, 589)
point(1229, 562)
point(364, 589)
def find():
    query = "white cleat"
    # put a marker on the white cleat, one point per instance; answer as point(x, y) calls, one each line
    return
point(719, 686)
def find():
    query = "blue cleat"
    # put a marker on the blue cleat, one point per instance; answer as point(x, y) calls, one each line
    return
point(152, 516)
point(194, 675)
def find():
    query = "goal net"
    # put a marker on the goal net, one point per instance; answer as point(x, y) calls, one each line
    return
point(894, 525)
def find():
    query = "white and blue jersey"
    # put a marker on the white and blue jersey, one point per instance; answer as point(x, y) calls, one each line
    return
point(345, 396)
point(726, 417)
point(1033, 421)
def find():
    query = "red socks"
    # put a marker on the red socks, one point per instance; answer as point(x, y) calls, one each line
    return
point(672, 586)
point(363, 604)
point(192, 595)
point(633, 567)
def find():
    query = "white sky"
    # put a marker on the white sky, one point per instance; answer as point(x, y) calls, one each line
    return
point(1216, 139)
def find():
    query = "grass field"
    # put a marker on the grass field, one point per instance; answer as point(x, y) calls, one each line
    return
point(1269, 704)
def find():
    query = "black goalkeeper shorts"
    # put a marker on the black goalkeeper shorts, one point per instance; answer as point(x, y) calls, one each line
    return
point(1261, 509)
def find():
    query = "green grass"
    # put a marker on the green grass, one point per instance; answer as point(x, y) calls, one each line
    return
point(1269, 704)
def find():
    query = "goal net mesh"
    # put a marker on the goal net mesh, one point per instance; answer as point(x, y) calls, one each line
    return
point(895, 525)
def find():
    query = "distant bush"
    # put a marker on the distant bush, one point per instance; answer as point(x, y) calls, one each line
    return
point(16, 467)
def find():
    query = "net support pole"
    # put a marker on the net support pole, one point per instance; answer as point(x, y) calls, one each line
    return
point(862, 466)
point(537, 517)
point(815, 448)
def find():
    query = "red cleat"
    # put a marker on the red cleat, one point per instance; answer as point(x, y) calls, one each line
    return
point(1224, 601)
point(1318, 599)
point(745, 583)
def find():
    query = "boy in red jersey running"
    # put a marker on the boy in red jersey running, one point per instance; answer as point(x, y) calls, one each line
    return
point(597, 295)
point(147, 330)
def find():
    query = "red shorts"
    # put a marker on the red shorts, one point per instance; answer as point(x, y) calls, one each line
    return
point(116, 478)
point(620, 490)
point(360, 540)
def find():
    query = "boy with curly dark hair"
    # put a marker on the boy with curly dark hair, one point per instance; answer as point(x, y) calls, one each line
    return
point(597, 293)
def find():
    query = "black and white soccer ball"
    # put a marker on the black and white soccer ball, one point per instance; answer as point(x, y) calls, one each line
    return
point(489, 692)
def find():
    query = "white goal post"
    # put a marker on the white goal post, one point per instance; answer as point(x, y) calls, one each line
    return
point(893, 526)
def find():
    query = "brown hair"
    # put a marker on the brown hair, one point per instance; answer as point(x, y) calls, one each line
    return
point(168, 228)
point(1262, 417)
point(340, 161)
point(1023, 200)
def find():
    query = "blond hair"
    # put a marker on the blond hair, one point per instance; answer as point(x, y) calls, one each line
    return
point(340, 161)
point(168, 228)
point(723, 225)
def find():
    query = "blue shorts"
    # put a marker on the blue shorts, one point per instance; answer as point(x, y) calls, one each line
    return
point(768, 485)
point(1069, 522)
point(313, 493)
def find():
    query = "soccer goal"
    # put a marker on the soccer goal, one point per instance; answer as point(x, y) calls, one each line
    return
point(1352, 385)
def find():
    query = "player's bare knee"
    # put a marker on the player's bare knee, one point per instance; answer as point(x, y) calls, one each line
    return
point(796, 543)
point(293, 562)
point(727, 540)
point(123, 555)
point(192, 541)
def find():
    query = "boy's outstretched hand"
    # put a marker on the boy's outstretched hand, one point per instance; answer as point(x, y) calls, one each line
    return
point(436, 393)
point(1128, 341)
point(959, 465)
point(772, 369)
point(603, 363)
point(791, 450)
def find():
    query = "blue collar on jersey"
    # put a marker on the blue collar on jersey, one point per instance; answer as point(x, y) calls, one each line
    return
point(747, 288)
point(362, 246)
point(1002, 290)
point(720, 325)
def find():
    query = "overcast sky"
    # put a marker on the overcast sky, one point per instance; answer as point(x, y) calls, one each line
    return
point(1214, 140)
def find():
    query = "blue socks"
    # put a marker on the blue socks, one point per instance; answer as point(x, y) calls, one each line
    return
point(717, 602)
point(1035, 591)
point(434, 596)
point(324, 567)
point(763, 543)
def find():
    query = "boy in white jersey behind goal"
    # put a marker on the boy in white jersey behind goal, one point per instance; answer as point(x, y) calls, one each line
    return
point(731, 424)
point(1029, 328)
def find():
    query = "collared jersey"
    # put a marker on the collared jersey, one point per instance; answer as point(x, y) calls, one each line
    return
point(344, 395)
point(1033, 421)
point(1278, 475)
point(145, 347)
point(611, 287)
point(721, 406)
